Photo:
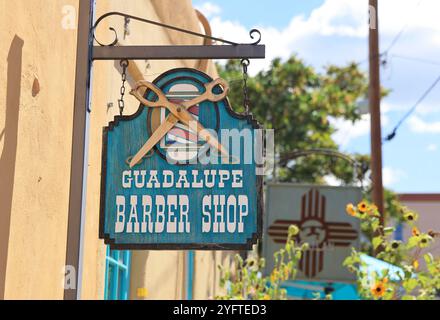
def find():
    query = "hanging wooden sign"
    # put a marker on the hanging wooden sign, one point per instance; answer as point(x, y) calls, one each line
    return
point(181, 173)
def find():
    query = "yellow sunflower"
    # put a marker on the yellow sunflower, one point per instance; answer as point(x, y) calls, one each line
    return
point(274, 276)
point(416, 264)
point(379, 288)
point(410, 216)
point(362, 206)
point(395, 245)
point(350, 209)
point(415, 232)
point(286, 272)
point(424, 241)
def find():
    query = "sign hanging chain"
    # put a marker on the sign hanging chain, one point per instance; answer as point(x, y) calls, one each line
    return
point(245, 63)
point(124, 64)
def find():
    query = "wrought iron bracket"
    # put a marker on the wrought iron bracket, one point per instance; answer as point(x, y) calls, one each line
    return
point(359, 168)
point(230, 49)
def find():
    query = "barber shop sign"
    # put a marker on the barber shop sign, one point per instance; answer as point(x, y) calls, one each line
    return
point(183, 172)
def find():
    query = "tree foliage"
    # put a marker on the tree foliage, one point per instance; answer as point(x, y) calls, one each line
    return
point(405, 279)
point(248, 282)
point(300, 103)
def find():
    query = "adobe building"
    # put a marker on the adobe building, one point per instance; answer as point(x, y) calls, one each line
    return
point(37, 76)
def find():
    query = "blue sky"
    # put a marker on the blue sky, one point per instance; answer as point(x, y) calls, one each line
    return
point(335, 31)
point(251, 13)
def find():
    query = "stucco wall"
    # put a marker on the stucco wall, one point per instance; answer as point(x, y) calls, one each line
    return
point(428, 208)
point(35, 148)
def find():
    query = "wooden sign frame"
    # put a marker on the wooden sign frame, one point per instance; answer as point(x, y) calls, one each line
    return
point(173, 246)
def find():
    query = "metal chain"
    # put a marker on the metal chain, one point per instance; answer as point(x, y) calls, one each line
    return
point(124, 64)
point(245, 63)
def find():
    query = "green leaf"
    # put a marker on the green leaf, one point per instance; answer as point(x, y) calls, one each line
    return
point(412, 242)
point(388, 230)
point(410, 284)
point(348, 261)
point(375, 224)
point(377, 241)
point(428, 258)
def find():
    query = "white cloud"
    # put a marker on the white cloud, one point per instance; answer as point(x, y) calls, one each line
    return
point(336, 32)
point(391, 176)
point(209, 9)
point(347, 131)
point(417, 125)
point(387, 106)
point(331, 180)
point(421, 36)
point(422, 109)
point(425, 109)
point(339, 20)
point(334, 18)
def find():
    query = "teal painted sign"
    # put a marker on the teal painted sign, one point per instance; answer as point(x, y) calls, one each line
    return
point(182, 172)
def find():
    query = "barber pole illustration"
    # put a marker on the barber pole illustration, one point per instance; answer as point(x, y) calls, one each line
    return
point(322, 221)
point(180, 142)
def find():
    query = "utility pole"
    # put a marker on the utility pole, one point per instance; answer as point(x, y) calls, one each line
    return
point(374, 101)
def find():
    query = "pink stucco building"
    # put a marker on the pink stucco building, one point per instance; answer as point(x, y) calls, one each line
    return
point(428, 207)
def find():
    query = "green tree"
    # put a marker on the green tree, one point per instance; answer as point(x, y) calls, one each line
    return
point(299, 102)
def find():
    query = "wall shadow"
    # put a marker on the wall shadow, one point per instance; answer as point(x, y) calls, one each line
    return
point(8, 156)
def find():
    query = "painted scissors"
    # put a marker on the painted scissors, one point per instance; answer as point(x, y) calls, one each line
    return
point(178, 112)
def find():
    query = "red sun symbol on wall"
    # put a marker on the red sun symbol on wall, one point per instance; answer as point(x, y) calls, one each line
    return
point(315, 230)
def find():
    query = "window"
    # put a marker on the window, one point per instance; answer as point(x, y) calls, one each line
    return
point(189, 274)
point(398, 233)
point(117, 274)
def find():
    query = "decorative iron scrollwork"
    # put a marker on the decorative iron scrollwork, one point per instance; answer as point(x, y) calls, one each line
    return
point(251, 34)
point(254, 33)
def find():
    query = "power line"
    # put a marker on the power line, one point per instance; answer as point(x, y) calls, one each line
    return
point(384, 54)
point(383, 61)
point(410, 111)
point(416, 59)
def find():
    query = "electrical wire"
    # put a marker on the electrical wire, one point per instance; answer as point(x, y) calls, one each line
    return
point(416, 59)
point(393, 133)
point(384, 54)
